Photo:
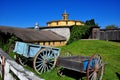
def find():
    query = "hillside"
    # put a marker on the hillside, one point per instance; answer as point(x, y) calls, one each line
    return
point(110, 52)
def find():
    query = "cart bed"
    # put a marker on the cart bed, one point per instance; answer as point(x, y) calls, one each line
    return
point(76, 63)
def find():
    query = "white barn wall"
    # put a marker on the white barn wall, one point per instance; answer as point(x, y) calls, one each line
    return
point(65, 32)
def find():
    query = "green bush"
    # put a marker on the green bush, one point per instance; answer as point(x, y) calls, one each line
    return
point(1, 44)
point(10, 41)
point(78, 32)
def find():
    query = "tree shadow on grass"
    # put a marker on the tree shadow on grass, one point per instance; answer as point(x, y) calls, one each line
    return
point(118, 75)
point(73, 74)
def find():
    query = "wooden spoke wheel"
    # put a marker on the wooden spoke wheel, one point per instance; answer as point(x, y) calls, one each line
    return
point(44, 61)
point(22, 60)
point(95, 68)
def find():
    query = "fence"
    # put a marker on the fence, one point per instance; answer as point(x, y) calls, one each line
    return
point(9, 69)
point(110, 34)
point(105, 34)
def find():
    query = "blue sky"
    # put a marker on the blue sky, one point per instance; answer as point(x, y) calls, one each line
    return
point(25, 13)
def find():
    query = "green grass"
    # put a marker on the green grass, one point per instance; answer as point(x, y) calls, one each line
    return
point(110, 52)
point(0, 77)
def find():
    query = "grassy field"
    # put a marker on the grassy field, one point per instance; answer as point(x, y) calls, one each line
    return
point(110, 52)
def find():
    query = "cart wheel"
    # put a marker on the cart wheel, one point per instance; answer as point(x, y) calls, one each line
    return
point(22, 61)
point(44, 61)
point(95, 68)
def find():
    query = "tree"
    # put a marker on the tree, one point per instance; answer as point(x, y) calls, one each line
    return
point(90, 22)
point(78, 32)
point(111, 27)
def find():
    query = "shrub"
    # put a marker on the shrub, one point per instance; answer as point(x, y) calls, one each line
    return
point(78, 32)
point(10, 41)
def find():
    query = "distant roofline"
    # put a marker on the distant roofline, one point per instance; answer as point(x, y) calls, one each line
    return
point(48, 27)
point(109, 29)
point(23, 34)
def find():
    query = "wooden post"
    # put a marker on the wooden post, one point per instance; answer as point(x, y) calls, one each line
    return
point(3, 63)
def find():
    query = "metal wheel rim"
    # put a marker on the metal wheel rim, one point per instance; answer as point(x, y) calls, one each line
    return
point(95, 72)
point(44, 61)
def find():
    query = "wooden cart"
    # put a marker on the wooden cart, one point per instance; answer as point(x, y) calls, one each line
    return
point(43, 57)
point(93, 66)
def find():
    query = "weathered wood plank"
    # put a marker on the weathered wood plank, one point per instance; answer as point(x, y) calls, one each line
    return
point(110, 34)
point(18, 70)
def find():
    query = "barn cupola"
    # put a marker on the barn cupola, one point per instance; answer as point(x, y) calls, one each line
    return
point(36, 26)
point(65, 15)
